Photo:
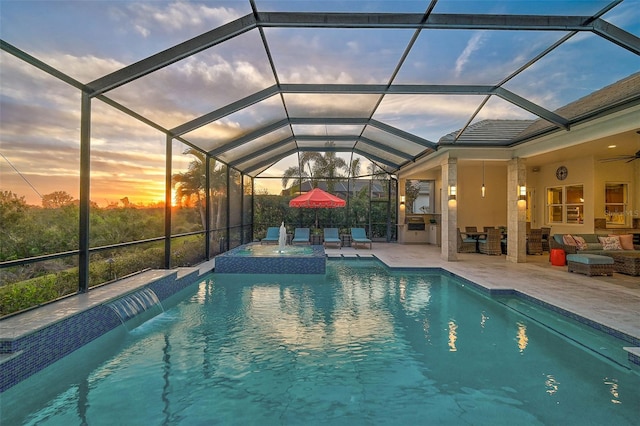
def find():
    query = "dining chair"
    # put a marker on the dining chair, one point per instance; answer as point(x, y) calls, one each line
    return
point(466, 245)
point(546, 234)
point(491, 245)
point(534, 241)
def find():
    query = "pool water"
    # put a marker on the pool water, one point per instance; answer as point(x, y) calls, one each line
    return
point(361, 345)
point(272, 250)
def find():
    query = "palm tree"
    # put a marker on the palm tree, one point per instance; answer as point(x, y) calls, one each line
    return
point(329, 166)
point(304, 169)
point(354, 168)
point(192, 184)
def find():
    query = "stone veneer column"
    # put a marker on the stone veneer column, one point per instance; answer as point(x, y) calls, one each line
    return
point(516, 212)
point(449, 219)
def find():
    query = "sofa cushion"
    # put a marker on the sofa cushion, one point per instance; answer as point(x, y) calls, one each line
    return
point(590, 259)
point(590, 238)
point(580, 242)
point(593, 247)
point(626, 241)
point(610, 243)
point(568, 240)
point(558, 238)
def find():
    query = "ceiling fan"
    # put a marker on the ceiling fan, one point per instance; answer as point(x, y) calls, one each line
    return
point(629, 158)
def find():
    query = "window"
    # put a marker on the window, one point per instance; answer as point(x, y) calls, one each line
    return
point(420, 196)
point(615, 203)
point(565, 204)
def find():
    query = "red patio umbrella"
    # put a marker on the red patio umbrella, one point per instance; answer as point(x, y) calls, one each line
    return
point(317, 199)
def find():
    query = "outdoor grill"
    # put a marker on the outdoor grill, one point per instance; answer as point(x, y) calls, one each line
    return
point(415, 223)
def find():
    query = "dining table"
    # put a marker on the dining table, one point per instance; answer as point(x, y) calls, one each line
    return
point(477, 235)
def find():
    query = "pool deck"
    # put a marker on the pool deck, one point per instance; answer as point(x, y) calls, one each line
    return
point(610, 301)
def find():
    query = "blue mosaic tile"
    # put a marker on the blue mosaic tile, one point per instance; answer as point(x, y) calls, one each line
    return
point(40, 349)
point(232, 262)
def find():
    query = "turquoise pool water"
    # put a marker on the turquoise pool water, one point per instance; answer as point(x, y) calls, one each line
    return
point(360, 345)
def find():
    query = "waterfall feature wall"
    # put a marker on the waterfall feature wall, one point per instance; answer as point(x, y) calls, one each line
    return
point(131, 307)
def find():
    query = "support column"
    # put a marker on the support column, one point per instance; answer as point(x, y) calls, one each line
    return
point(168, 201)
point(85, 193)
point(516, 212)
point(449, 219)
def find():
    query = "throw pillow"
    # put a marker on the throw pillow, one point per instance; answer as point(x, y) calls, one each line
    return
point(568, 240)
point(580, 242)
point(610, 243)
point(626, 241)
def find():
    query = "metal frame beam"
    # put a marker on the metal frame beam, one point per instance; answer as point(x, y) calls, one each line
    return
point(225, 110)
point(271, 160)
point(259, 152)
point(617, 35)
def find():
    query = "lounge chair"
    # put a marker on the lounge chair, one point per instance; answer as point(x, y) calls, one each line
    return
point(301, 236)
point(358, 236)
point(331, 236)
point(273, 236)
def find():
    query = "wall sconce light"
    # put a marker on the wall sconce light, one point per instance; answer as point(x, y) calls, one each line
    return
point(482, 189)
point(402, 200)
point(522, 193)
point(453, 192)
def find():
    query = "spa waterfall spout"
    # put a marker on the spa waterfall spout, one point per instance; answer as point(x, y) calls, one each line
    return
point(282, 240)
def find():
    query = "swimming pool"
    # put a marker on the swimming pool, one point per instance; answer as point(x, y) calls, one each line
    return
point(361, 345)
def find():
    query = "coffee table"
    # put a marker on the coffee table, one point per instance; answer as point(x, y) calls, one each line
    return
point(626, 263)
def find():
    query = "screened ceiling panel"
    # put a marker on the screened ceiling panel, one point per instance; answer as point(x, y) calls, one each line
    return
point(586, 8)
point(267, 157)
point(256, 145)
point(381, 154)
point(330, 105)
point(253, 82)
point(342, 6)
point(498, 107)
point(397, 142)
point(89, 39)
point(205, 81)
point(278, 168)
point(472, 57)
point(605, 64)
point(427, 116)
point(310, 55)
point(237, 124)
point(327, 129)
point(329, 145)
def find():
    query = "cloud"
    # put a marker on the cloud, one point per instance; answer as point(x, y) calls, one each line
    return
point(178, 15)
point(474, 44)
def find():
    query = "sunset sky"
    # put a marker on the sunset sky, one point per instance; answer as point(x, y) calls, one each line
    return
point(39, 116)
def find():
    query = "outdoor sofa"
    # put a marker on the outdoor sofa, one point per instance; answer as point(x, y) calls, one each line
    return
point(626, 260)
point(593, 245)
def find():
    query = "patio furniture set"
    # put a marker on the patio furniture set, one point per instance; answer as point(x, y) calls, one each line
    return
point(493, 241)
